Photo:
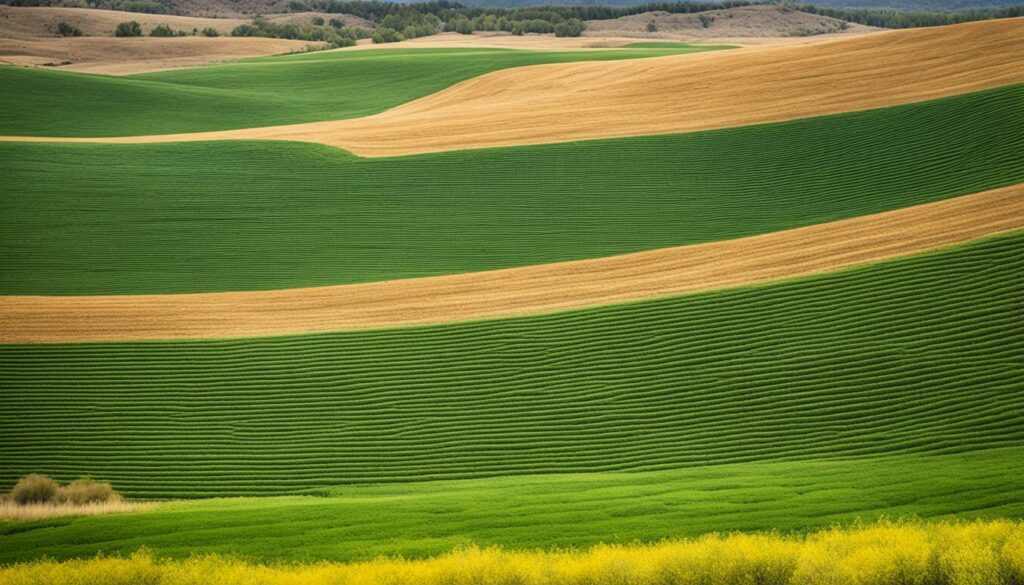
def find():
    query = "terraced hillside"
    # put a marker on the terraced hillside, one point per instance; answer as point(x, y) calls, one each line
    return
point(288, 89)
point(240, 218)
point(914, 355)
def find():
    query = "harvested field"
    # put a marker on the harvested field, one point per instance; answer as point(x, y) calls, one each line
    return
point(519, 291)
point(497, 40)
point(915, 355)
point(241, 218)
point(110, 56)
point(564, 102)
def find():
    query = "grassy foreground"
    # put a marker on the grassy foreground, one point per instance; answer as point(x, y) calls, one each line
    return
point(423, 519)
point(258, 92)
point(249, 215)
point(979, 553)
point(919, 354)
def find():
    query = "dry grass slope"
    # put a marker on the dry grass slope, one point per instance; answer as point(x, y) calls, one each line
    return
point(575, 101)
point(517, 291)
point(31, 512)
point(28, 36)
point(744, 22)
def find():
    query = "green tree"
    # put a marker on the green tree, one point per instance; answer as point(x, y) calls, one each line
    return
point(128, 29)
point(66, 30)
point(162, 31)
point(570, 28)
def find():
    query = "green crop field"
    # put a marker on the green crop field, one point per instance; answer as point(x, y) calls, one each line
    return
point(916, 355)
point(580, 509)
point(890, 389)
point(257, 92)
point(249, 215)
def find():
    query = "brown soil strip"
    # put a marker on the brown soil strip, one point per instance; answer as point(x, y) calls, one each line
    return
point(574, 101)
point(517, 291)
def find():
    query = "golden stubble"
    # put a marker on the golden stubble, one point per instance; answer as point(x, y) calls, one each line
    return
point(576, 101)
point(516, 291)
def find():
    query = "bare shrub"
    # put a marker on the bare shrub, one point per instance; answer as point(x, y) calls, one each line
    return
point(82, 492)
point(34, 489)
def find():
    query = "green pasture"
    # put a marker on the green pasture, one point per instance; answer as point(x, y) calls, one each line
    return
point(915, 355)
point(573, 510)
point(191, 217)
point(288, 89)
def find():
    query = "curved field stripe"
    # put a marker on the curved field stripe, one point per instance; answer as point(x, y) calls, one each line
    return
point(263, 216)
point(545, 104)
point(920, 354)
point(331, 85)
point(365, 522)
point(515, 291)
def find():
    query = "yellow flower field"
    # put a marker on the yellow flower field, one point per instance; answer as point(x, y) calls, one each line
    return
point(977, 553)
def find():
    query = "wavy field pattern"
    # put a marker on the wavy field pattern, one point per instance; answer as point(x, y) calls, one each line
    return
point(258, 216)
point(330, 85)
point(578, 101)
point(528, 290)
point(916, 355)
point(355, 523)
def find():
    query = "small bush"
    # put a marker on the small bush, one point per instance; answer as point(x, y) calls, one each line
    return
point(162, 30)
point(81, 492)
point(706, 20)
point(128, 29)
point(317, 21)
point(66, 30)
point(210, 32)
point(34, 489)
point(652, 27)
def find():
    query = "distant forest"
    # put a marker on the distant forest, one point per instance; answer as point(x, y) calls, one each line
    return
point(395, 21)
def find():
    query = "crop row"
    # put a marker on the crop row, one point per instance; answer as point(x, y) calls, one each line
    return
point(920, 354)
point(424, 518)
point(113, 219)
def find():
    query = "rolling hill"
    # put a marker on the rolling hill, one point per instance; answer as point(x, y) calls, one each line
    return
point(259, 92)
point(683, 189)
point(804, 311)
point(917, 355)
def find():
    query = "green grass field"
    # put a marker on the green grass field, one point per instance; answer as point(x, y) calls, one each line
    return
point(257, 92)
point(250, 215)
point(422, 519)
point(916, 355)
